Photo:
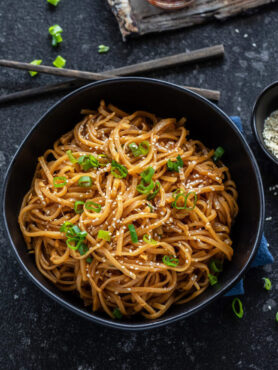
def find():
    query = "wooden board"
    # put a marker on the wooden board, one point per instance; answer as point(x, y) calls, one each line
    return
point(138, 17)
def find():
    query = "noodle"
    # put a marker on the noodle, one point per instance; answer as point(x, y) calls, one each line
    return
point(138, 251)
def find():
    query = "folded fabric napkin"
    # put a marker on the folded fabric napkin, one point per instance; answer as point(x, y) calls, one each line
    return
point(263, 256)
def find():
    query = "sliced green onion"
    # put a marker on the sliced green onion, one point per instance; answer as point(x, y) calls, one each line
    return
point(276, 316)
point(118, 170)
point(185, 197)
point(59, 181)
point(212, 279)
point(85, 181)
point(101, 163)
point(135, 149)
point(151, 207)
point(142, 149)
point(66, 226)
point(78, 206)
point(175, 166)
point(72, 243)
point(89, 259)
point(154, 191)
point(103, 49)
point(53, 2)
point(83, 249)
point(133, 234)
point(59, 62)
point(218, 153)
point(88, 161)
point(148, 239)
point(117, 313)
point(55, 31)
point(216, 266)
point(238, 311)
point(147, 175)
point(96, 208)
point(145, 189)
point(267, 283)
point(35, 62)
point(105, 235)
point(71, 157)
point(170, 261)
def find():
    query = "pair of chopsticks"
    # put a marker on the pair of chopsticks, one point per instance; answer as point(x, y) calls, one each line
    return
point(83, 77)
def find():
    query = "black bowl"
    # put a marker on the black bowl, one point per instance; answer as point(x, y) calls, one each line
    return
point(266, 103)
point(205, 122)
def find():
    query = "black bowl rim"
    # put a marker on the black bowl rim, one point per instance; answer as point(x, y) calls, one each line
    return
point(148, 325)
point(257, 103)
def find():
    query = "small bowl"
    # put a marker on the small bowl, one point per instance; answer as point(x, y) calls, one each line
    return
point(205, 122)
point(266, 103)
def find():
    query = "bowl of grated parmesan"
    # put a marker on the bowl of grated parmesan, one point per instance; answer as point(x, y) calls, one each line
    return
point(265, 121)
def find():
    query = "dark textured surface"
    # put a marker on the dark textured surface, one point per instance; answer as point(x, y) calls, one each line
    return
point(35, 332)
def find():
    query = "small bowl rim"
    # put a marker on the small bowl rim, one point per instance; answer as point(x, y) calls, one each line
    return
point(108, 322)
point(257, 103)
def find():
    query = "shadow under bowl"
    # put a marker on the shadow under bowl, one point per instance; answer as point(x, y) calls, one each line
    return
point(205, 121)
point(266, 103)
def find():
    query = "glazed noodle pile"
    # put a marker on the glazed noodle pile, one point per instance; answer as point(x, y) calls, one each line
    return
point(129, 213)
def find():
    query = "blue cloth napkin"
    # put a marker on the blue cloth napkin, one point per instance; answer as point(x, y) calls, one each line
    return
point(263, 256)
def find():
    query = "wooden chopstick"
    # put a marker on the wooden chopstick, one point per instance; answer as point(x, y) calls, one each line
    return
point(182, 58)
point(151, 65)
point(213, 95)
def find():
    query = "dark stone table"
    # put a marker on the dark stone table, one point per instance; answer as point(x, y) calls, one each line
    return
point(36, 333)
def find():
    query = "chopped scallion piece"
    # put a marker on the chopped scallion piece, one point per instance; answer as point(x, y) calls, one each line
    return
point(59, 181)
point(105, 235)
point(103, 49)
point(78, 206)
point(59, 62)
point(147, 175)
point(267, 283)
point(71, 157)
point(133, 234)
point(85, 181)
point(218, 153)
point(175, 166)
point(53, 2)
point(170, 261)
point(66, 226)
point(212, 279)
point(238, 311)
point(83, 249)
point(148, 239)
point(35, 62)
point(151, 207)
point(55, 31)
point(88, 161)
point(185, 197)
point(117, 313)
point(145, 189)
point(155, 190)
point(118, 170)
point(96, 208)
point(142, 149)
point(89, 259)
point(216, 266)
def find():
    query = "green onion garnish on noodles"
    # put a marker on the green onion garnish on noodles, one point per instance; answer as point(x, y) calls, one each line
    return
point(85, 181)
point(66, 226)
point(142, 149)
point(35, 62)
point(55, 31)
point(71, 157)
point(133, 234)
point(89, 259)
point(148, 239)
point(185, 197)
point(103, 49)
point(118, 170)
point(212, 279)
point(147, 175)
point(75, 237)
point(105, 235)
point(145, 189)
point(267, 283)
point(175, 166)
point(96, 208)
point(83, 249)
point(151, 207)
point(88, 161)
point(154, 191)
point(59, 62)
point(53, 2)
point(170, 261)
point(216, 265)
point(117, 313)
point(237, 308)
point(78, 206)
point(59, 181)
point(218, 153)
